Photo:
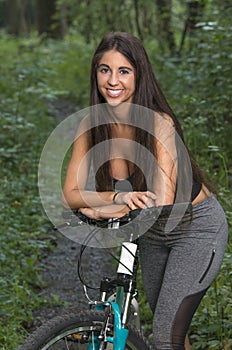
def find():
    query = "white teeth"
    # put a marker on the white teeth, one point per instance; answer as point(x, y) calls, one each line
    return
point(114, 92)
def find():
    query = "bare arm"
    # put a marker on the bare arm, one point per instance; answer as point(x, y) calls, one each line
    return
point(100, 204)
point(166, 176)
point(74, 194)
point(96, 205)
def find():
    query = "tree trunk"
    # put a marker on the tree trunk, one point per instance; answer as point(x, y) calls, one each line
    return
point(136, 6)
point(165, 29)
point(63, 19)
point(147, 20)
point(88, 28)
point(17, 17)
point(46, 22)
point(195, 10)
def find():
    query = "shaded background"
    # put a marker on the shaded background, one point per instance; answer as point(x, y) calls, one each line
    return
point(45, 55)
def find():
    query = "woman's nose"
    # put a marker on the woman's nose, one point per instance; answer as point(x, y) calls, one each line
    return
point(113, 79)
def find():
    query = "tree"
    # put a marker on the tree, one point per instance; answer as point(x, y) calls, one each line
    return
point(17, 17)
point(195, 11)
point(165, 28)
point(47, 21)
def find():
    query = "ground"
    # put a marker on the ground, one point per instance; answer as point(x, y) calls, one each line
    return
point(59, 273)
point(59, 267)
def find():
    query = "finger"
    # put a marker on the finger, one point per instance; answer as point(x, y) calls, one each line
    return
point(89, 212)
point(139, 202)
point(148, 202)
point(132, 205)
point(151, 195)
point(82, 210)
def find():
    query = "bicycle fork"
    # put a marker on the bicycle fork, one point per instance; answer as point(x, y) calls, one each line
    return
point(120, 333)
point(118, 309)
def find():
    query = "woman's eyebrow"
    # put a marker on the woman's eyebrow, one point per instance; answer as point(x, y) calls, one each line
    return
point(106, 65)
point(125, 67)
point(103, 64)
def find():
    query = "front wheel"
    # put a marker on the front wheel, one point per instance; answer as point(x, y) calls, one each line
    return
point(79, 332)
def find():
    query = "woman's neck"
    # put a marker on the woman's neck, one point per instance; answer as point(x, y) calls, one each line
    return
point(124, 131)
point(120, 113)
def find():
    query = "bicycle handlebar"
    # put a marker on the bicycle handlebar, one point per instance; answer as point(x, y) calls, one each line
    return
point(76, 218)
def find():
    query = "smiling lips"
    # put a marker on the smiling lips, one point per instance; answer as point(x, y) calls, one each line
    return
point(114, 93)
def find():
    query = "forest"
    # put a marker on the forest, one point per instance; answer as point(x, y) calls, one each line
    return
point(45, 56)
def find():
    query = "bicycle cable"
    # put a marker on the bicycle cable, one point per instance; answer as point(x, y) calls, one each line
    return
point(83, 248)
point(148, 215)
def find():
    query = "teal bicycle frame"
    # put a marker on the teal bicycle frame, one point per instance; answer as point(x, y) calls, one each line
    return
point(120, 333)
point(123, 299)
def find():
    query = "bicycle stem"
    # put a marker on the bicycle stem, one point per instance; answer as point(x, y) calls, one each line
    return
point(127, 303)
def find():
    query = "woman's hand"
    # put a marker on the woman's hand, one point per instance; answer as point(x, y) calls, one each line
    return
point(136, 200)
point(105, 212)
point(123, 203)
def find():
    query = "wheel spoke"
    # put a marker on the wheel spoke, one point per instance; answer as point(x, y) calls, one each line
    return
point(66, 343)
point(78, 332)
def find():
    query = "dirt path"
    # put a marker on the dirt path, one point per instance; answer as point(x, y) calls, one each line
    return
point(59, 272)
point(59, 267)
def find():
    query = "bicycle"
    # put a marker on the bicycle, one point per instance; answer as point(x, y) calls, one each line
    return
point(112, 322)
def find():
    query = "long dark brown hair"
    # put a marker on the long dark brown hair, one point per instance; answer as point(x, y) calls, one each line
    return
point(147, 94)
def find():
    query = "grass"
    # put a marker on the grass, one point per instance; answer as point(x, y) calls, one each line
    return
point(37, 74)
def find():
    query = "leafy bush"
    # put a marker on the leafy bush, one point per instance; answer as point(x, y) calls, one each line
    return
point(24, 229)
point(38, 74)
point(71, 68)
point(199, 86)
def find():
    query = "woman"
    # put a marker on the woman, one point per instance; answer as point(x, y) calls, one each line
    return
point(178, 264)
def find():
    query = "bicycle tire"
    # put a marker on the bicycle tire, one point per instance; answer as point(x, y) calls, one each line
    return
point(75, 331)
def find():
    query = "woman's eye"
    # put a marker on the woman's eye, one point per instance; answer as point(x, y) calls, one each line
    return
point(124, 71)
point(103, 70)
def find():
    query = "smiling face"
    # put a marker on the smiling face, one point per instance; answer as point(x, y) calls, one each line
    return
point(115, 78)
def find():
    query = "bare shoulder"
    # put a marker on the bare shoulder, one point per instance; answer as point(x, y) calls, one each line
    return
point(164, 125)
point(84, 126)
point(163, 118)
point(83, 138)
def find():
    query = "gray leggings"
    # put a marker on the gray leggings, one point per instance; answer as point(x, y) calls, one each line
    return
point(179, 267)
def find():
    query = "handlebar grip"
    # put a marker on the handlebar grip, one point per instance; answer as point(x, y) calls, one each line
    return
point(75, 218)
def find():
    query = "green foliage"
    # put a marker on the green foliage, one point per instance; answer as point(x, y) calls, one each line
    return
point(93, 19)
point(25, 97)
point(35, 73)
point(70, 64)
point(211, 326)
point(198, 85)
